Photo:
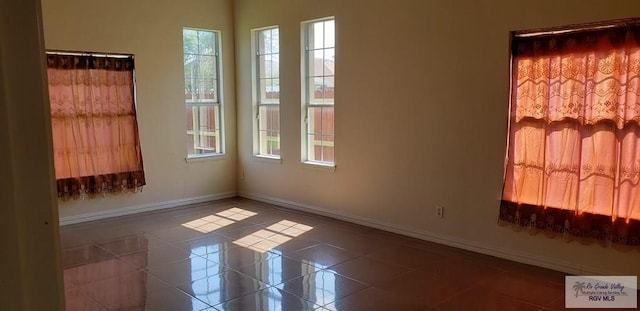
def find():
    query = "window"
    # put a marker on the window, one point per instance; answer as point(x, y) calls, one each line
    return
point(202, 90)
point(573, 161)
point(266, 64)
point(96, 145)
point(318, 91)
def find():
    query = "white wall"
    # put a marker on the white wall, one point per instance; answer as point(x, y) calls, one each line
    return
point(152, 31)
point(421, 110)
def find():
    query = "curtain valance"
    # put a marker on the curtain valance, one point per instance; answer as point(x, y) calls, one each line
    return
point(589, 77)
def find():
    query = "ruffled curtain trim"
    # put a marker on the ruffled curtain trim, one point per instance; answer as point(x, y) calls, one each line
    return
point(100, 185)
point(559, 223)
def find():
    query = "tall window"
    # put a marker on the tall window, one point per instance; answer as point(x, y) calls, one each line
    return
point(574, 143)
point(318, 91)
point(202, 92)
point(96, 145)
point(267, 91)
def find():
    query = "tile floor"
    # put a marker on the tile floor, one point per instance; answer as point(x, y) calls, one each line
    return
point(239, 254)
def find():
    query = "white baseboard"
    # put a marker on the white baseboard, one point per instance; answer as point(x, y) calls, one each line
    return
point(526, 258)
point(68, 220)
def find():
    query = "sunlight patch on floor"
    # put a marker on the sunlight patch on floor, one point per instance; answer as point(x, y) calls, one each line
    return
point(222, 219)
point(271, 237)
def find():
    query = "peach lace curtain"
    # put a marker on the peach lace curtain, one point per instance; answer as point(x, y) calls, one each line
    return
point(573, 162)
point(93, 119)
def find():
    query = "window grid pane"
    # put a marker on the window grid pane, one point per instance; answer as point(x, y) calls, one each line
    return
point(203, 128)
point(319, 90)
point(267, 92)
point(201, 85)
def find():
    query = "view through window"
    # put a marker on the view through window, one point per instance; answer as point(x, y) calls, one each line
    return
point(202, 91)
point(318, 87)
point(267, 90)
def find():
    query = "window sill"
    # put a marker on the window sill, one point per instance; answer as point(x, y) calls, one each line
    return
point(319, 166)
point(267, 158)
point(206, 157)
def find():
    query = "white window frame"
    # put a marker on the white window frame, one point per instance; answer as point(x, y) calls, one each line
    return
point(305, 147)
point(256, 93)
point(217, 102)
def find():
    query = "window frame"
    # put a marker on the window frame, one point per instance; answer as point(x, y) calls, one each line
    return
point(305, 77)
point(217, 103)
point(257, 96)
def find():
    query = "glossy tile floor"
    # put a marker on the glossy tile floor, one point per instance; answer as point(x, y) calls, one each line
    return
point(239, 254)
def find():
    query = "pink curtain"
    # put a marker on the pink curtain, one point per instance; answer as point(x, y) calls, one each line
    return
point(93, 119)
point(573, 163)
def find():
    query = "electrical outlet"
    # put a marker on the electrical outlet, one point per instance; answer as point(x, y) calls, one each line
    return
point(440, 211)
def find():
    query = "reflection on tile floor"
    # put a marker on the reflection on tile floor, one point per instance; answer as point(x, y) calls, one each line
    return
point(239, 254)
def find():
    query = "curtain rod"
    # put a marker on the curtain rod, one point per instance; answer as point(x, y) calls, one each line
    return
point(77, 53)
point(578, 28)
